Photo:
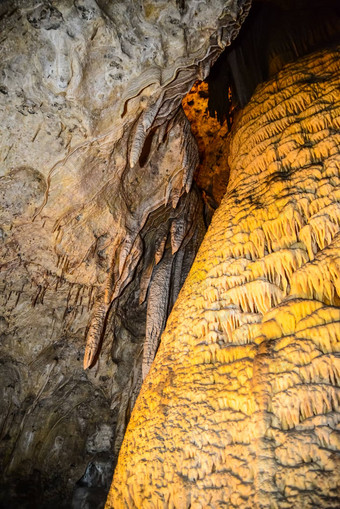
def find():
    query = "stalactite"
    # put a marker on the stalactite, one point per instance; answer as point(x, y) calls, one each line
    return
point(94, 335)
point(160, 246)
point(158, 297)
point(145, 281)
point(128, 256)
point(279, 266)
point(178, 231)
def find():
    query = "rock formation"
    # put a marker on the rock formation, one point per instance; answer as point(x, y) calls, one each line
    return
point(241, 407)
point(99, 222)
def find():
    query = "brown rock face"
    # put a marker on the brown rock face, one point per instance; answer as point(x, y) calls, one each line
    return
point(212, 173)
point(99, 222)
point(241, 406)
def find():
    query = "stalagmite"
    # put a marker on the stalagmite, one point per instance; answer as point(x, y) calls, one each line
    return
point(241, 405)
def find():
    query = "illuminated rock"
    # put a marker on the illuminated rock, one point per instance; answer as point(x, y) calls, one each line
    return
point(241, 406)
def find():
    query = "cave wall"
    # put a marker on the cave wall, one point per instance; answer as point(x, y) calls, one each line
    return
point(98, 215)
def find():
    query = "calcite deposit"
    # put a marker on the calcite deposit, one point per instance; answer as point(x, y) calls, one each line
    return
point(212, 173)
point(241, 406)
point(99, 222)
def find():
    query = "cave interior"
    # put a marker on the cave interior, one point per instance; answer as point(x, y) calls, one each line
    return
point(60, 436)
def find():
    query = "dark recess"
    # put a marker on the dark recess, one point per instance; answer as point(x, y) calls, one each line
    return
point(275, 33)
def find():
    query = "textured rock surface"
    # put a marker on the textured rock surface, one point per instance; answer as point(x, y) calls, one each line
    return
point(97, 214)
point(212, 173)
point(241, 406)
